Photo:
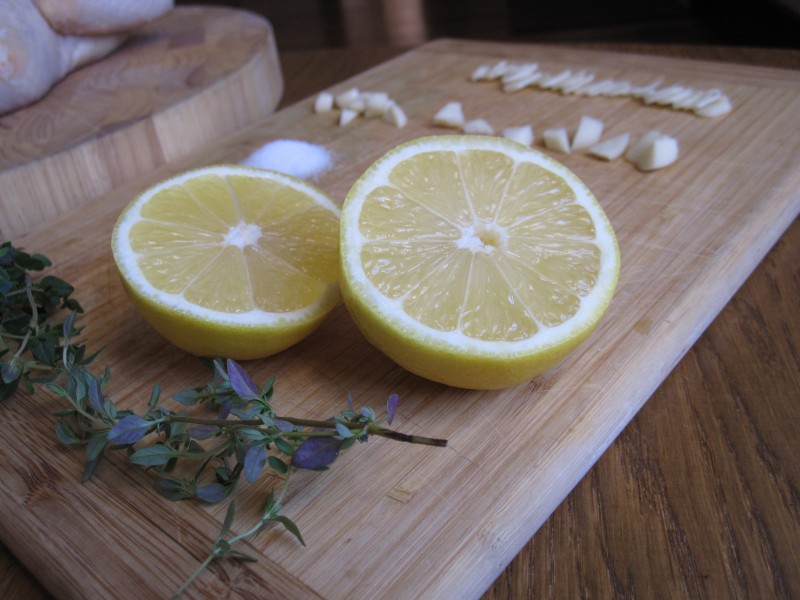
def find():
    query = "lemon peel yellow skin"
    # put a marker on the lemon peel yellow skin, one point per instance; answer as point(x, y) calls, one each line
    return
point(239, 342)
point(271, 239)
point(450, 356)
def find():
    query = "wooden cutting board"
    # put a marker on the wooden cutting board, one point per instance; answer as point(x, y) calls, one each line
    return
point(391, 520)
point(176, 85)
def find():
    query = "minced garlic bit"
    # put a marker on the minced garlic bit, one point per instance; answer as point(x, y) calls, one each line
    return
point(450, 115)
point(394, 115)
point(654, 150)
point(479, 126)
point(514, 77)
point(556, 139)
point(522, 134)
point(588, 133)
point(610, 149)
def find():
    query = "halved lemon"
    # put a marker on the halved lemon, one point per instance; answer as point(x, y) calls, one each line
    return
point(475, 261)
point(230, 261)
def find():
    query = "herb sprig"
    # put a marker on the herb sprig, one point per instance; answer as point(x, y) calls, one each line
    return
point(232, 434)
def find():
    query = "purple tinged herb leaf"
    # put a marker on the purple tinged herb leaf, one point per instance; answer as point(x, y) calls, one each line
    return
point(316, 452)
point(128, 430)
point(254, 462)
point(96, 400)
point(391, 408)
point(343, 430)
point(212, 492)
point(284, 425)
point(202, 432)
point(240, 381)
point(224, 410)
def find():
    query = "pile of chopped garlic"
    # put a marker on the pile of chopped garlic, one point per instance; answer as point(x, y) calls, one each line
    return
point(514, 77)
point(353, 103)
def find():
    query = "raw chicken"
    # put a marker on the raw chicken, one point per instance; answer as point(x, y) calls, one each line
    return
point(34, 56)
point(94, 17)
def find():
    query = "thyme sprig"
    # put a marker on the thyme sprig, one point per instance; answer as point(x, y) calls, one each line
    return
point(233, 433)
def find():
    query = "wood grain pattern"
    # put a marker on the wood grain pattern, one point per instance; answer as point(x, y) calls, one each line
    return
point(178, 84)
point(442, 523)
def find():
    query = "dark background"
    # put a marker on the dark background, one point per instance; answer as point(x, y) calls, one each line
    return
point(307, 24)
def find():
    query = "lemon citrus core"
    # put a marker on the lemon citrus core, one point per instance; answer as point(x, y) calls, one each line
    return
point(475, 261)
point(230, 261)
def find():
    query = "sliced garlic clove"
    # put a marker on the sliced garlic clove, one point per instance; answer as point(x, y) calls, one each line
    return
point(323, 102)
point(346, 116)
point(662, 152)
point(394, 115)
point(481, 73)
point(450, 115)
point(479, 126)
point(348, 99)
point(522, 134)
point(641, 145)
point(612, 148)
point(375, 103)
point(588, 133)
point(556, 139)
point(716, 108)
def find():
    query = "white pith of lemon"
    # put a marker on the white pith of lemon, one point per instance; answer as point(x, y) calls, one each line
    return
point(475, 261)
point(230, 261)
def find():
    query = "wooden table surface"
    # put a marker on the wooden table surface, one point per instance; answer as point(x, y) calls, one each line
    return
point(698, 498)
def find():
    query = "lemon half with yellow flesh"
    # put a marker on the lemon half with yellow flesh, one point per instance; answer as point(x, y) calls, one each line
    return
point(230, 261)
point(475, 261)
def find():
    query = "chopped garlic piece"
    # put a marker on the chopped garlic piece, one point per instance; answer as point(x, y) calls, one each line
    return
point(480, 73)
point(717, 108)
point(663, 151)
point(450, 115)
point(346, 116)
point(643, 90)
point(522, 134)
point(641, 145)
point(588, 133)
point(519, 72)
point(394, 115)
point(324, 102)
point(553, 81)
point(348, 99)
point(576, 81)
point(497, 71)
point(556, 139)
point(519, 84)
point(376, 103)
point(612, 148)
point(480, 126)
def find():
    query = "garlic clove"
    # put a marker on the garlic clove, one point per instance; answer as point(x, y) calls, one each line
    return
point(450, 115)
point(610, 149)
point(556, 139)
point(522, 134)
point(588, 133)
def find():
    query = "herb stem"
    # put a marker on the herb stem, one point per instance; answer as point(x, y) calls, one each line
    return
point(329, 425)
